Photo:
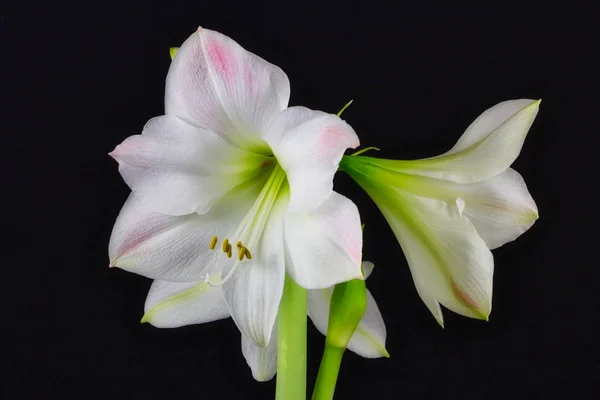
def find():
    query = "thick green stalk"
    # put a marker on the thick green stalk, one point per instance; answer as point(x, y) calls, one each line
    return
point(291, 343)
point(328, 373)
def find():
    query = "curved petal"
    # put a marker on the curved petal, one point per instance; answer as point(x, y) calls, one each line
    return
point(488, 121)
point(501, 208)
point(174, 304)
point(175, 248)
point(491, 155)
point(449, 262)
point(255, 287)
point(261, 360)
point(180, 169)
point(368, 339)
point(324, 245)
point(309, 146)
point(214, 83)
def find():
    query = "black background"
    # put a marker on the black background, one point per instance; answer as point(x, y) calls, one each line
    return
point(78, 78)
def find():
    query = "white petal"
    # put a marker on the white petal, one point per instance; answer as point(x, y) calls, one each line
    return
point(450, 263)
point(491, 155)
point(175, 248)
point(261, 360)
point(324, 245)
point(215, 84)
point(180, 169)
point(368, 339)
point(254, 290)
point(431, 303)
point(367, 267)
point(174, 304)
point(489, 120)
point(309, 146)
point(501, 208)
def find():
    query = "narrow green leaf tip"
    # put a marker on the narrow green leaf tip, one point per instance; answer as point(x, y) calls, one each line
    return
point(344, 108)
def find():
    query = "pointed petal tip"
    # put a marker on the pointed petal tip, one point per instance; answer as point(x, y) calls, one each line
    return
point(145, 318)
point(115, 153)
point(534, 105)
point(440, 321)
point(385, 353)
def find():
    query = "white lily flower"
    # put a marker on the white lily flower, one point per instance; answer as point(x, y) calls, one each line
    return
point(229, 163)
point(448, 211)
point(171, 305)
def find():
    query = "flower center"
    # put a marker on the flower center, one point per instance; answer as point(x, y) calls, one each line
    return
point(252, 226)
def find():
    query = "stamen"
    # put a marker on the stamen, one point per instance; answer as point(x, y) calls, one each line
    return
point(241, 253)
point(213, 242)
point(251, 227)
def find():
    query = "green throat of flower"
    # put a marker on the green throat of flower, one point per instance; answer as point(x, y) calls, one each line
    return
point(251, 228)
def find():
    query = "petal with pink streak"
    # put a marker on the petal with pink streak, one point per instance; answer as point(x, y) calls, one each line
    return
point(216, 84)
point(309, 146)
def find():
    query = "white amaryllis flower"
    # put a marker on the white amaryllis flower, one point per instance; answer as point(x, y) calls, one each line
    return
point(448, 211)
point(171, 305)
point(232, 182)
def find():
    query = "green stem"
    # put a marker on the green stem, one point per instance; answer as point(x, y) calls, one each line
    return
point(291, 343)
point(328, 373)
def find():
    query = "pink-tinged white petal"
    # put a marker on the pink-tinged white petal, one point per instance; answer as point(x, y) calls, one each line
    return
point(175, 248)
point(175, 304)
point(216, 84)
point(254, 289)
point(309, 146)
point(261, 360)
point(449, 262)
point(501, 208)
point(323, 246)
point(179, 169)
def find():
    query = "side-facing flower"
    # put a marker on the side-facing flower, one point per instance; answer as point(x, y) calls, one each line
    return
point(448, 211)
point(172, 304)
point(232, 183)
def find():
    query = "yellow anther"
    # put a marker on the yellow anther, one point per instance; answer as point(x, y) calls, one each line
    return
point(247, 253)
point(213, 242)
point(238, 244)
point(228, 251)
point(241, 253)
point(225, 245)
